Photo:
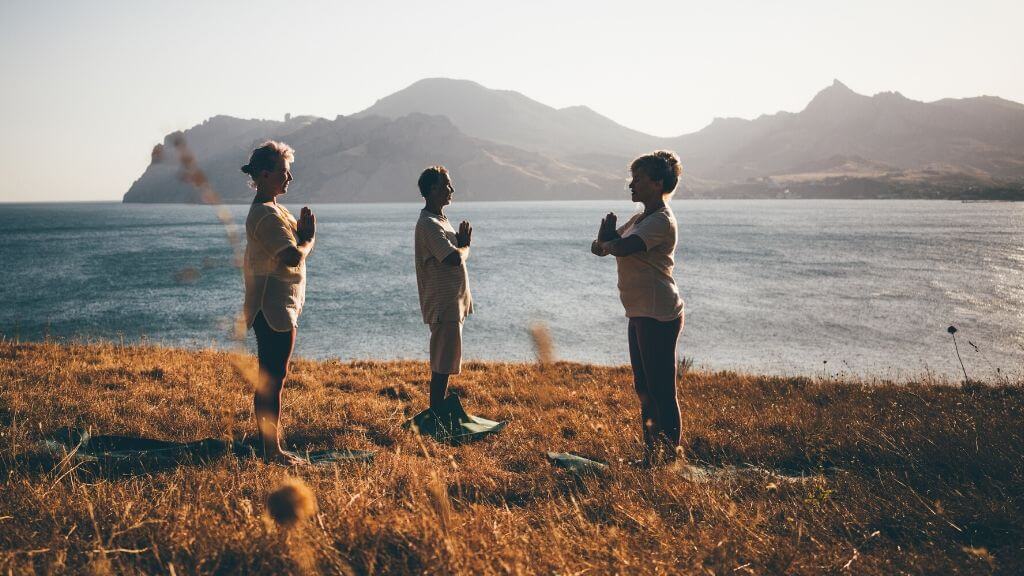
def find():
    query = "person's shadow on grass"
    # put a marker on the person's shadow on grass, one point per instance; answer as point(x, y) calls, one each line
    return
point(77, 448)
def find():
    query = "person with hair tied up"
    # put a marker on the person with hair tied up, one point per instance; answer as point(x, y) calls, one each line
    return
point(276, 249)
point(644, 249)
point(442, 279)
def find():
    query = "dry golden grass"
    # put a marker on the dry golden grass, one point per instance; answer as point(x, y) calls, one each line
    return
point(923, 479)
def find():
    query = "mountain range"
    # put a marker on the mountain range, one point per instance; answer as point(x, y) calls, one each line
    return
point(502, 145)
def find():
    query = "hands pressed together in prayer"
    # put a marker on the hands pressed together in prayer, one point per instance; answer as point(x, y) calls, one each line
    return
point(465, 234)
point(605, 233)
point(306, 229)
point(607, 230)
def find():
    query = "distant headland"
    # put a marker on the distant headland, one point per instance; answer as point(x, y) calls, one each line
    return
point(501, 145)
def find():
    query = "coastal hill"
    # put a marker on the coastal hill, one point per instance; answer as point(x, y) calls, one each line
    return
point(368, 159)
point(886, 138)
point(510, 118)
point(502, 145)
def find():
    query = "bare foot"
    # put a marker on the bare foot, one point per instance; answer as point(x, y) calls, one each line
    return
point(285, 458)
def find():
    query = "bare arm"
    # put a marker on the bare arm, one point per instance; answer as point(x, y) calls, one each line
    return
point(457, 257)
point(294, 255)
point(624, 246)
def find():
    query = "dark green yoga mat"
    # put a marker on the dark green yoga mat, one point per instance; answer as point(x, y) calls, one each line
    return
point(83, 446)
point(452, 424)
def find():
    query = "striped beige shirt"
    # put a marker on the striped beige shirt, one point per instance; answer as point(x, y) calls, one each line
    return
point(444, 289)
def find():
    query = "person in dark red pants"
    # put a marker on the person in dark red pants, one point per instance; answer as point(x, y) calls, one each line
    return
point(644, 249)
point(653, 358)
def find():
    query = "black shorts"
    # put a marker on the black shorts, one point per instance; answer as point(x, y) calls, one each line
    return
point(273, 348)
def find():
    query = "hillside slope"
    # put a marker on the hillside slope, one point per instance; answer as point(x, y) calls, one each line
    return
point(867, 478)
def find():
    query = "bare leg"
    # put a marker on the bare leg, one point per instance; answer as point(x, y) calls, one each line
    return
point(438, 389)
point(267, 405)
point(274, 350)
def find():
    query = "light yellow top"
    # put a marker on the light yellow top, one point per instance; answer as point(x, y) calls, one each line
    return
point(646, 286)
point(444, 289)
point(276, 289)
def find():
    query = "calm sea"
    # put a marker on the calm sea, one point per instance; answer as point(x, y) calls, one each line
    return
point(791, 287)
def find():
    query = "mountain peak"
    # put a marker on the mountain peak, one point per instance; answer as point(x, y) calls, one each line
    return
point(837, 89)
point(511, 118)
point(432, 88)
point(835, 97)
point(839, 86)
point(445, 83)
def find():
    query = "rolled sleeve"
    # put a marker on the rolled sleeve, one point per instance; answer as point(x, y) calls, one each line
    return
point(274, 234)
point(437, 242)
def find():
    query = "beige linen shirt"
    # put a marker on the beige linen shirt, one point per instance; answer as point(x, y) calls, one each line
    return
point(271, 286)
point(444, 289)
point(646, 286)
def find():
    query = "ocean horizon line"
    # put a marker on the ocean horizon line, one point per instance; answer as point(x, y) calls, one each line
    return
point(497, 202)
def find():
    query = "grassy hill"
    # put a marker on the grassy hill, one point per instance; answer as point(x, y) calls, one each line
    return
point(852, 477)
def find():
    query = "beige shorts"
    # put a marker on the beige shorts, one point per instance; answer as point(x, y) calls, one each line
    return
point(446, 347)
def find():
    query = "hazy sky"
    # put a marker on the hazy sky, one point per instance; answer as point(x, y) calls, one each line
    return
point(90, 87)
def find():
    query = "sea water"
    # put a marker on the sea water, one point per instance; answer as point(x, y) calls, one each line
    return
point(813, 287)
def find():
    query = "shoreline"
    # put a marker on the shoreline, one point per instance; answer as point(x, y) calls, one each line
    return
point(848, 376)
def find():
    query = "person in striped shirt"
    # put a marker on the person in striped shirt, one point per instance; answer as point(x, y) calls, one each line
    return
point(442, 278)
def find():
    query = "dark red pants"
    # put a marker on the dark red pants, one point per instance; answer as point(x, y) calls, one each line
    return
point(652, 353)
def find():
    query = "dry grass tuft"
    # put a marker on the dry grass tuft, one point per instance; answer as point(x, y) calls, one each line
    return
point(291, 503)
point(851, 477)
point(543, 345)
